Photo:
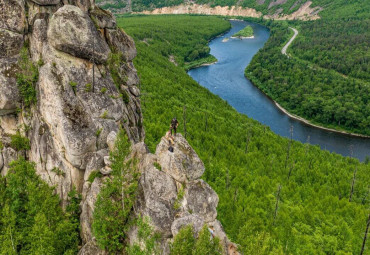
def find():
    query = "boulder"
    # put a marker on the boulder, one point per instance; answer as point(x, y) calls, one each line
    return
point(120, 41)
point(9, 95)
point(90, 195)
point(157, 194)
point(46, 2)
point(192, 219)
point(201, 199)
point(72, 31)
point(183, 164)
point(9, 155)
point(10, 43)
point(13, 15)
point(91, 248)
point(103, 18)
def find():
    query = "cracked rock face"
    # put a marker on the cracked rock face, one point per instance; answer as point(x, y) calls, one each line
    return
point(72, 31)
point(183, 164)
point(79, 108)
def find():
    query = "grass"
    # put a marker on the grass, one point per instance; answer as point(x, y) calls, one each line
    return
point(245, 32)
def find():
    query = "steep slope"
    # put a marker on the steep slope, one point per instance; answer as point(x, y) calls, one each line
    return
point(245, 162)
point(69, 97)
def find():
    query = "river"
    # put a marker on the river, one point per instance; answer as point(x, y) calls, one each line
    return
point(226, 79)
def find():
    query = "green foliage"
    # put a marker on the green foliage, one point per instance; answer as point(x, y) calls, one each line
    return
point(104, 115)
point(88, 87)
point(73, 86)
point(116, 198)
point(158, 166)
point(180, 196)
point(103, 90)
point(194, 48)
point(320, 95)
point(245, 32)
point(98, 132)
point(185, 244)
point(27, 76)
point(19, 142)
point(125, 97)
point(1, 145)
point(93, 175)
point(147, 239)
point(58, 171)
point(245, 161)
point(114, 62)
point(31, 220)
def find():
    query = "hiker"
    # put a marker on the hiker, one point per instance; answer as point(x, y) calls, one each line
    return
point(212, 231)
point(174, 125)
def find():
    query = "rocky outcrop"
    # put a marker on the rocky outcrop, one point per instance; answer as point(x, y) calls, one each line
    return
point(79, 108)
point(72, 31)
point(172, 195)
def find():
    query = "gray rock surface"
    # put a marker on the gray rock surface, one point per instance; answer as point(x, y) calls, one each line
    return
point(120, 41)
point(13, 15)
point(72, 31)
point(157, 196)
point(10, 43)
point(194, 220)
point(46, 2)
point(202, 200)
point(183, 164)
point(9, 97)
point(103, 18)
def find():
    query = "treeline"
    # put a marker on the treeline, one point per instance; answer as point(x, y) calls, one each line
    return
point(31, 219)
point(318, 94)
point(184, 52)
point(277, 196)
point(341, 45)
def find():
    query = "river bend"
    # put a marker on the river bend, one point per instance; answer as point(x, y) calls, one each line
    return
point(226, 79)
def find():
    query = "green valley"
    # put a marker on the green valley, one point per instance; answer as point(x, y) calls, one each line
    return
point(277, 196)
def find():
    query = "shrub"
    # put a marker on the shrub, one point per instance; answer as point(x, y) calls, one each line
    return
point(73, 86)
point(116, 198)
point(19, 142)
point(27, 76)
point(103, 90)
point(93, 175)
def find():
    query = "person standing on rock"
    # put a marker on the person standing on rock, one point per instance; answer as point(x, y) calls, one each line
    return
point(174, 125)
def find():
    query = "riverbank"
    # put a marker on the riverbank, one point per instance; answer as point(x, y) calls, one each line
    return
point(307, 122)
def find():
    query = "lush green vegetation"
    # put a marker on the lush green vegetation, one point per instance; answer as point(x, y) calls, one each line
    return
point(19, 142)
point(187, 53)
point(184, 243)
point(31, 220)
point(116, 198)
point(245, 32)
point(27, 76)
point(245, 162)
point(321, 95)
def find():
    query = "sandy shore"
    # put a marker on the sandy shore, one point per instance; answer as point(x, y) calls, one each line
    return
point(243, 37)
point(307, 122)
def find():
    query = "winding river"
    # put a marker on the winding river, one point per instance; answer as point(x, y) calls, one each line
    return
point(226, 79)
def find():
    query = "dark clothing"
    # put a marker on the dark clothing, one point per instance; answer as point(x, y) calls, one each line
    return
point(174, 124)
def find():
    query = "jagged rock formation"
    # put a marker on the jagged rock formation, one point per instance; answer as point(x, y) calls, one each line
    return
point(81, 104)
point(174, 196)
point(86, 89)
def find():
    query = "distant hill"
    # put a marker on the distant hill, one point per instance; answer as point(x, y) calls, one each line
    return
point(272, 8)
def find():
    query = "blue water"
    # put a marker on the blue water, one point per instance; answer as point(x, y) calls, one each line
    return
point(226, 79)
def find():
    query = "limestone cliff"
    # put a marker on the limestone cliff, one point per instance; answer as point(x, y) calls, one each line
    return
point(85, 90)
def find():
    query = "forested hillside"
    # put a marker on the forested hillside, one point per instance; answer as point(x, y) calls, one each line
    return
point(277, 196)
point(326, 78)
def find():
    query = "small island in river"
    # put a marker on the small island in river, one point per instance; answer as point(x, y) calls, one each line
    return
point(246, 32)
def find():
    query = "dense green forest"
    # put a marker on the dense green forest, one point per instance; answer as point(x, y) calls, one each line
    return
point(277, 196)
point(321, 95)
point(31, 219)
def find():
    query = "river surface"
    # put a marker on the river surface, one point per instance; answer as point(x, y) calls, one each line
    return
point(226, 79)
